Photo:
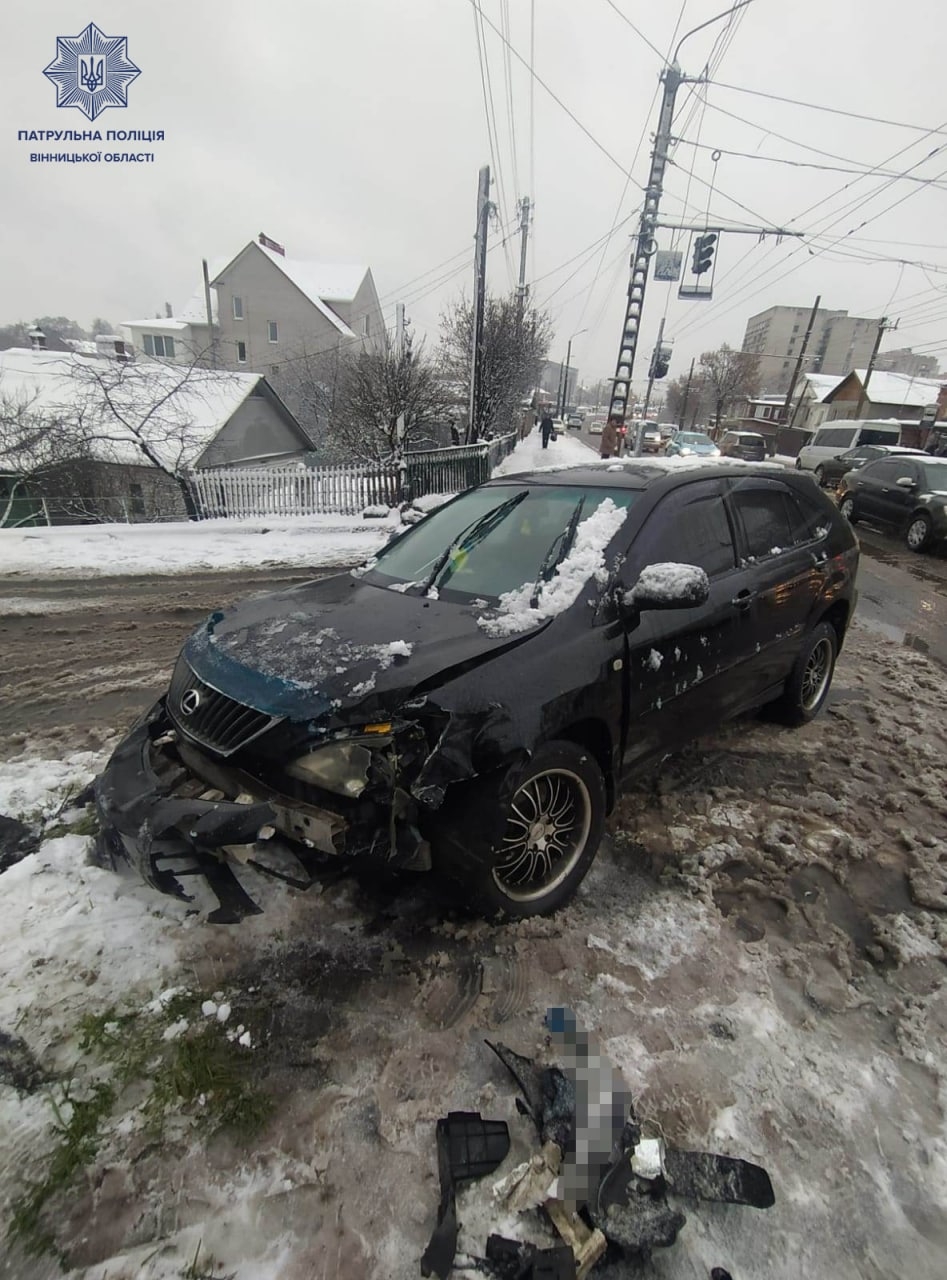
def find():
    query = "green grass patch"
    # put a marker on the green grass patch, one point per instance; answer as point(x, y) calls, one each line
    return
point(199, 1073)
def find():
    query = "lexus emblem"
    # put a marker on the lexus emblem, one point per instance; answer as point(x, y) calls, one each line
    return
point(190, 702)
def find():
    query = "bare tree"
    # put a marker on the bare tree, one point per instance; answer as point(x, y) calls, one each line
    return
point(33, 447)
point(729, 374)
point(511, 354)
point(134, 413)
point(375, 388)
point(309, 384)
point(699, 400)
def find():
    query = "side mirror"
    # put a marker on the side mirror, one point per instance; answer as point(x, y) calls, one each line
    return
point(905, 482)
point(668, 586)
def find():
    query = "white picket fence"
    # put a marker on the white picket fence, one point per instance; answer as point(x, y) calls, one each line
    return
point(292, 489)
point(346, 489)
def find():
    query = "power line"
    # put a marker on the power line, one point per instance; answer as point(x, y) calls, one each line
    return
point(493, 133)
point(555, 97)
point(835, 111)
point(798, 164)
point(637, 30)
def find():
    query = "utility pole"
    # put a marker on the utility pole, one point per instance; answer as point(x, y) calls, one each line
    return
point(400, 424)
point(645, 244)
point(883, 327)
point(480, 287)
point(522, 291)
point(644, 248)
point(687, 392)
point(639, 434)
point(784, 416)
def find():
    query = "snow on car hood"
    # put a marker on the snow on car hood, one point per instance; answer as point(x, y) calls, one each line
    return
point(330, 645)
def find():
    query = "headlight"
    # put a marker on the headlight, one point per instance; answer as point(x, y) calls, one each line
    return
point(341, 767)
point(685, 452)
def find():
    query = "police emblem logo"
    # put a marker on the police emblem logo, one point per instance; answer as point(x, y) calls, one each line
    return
point(91, 71)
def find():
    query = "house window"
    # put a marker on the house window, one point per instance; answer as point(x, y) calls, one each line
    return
point(274, 370)
point(365, 327)
point(237, 308)
point(137, 503)
point(272, 330)
point(241, 353)
point(157, 345)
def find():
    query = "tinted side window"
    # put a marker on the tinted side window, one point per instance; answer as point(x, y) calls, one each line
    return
point(808, 519)
point(763, 515)
point(836, 437)
point(878, 435)
point(885, 472)
point(690, 526)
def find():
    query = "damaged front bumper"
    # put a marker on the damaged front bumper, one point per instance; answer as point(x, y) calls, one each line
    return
point(172, 813)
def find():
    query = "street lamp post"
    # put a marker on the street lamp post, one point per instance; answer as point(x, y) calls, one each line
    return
point(564, 376)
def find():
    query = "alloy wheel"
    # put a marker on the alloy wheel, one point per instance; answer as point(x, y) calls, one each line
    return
point(547, 829)
point(847, 508)
point(817, 674)
point(918, 533)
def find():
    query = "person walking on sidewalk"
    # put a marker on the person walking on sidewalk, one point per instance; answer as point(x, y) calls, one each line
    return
point(546, 428)
point(609, 445)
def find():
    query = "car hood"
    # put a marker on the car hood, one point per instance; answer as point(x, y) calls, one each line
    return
point(327, 647)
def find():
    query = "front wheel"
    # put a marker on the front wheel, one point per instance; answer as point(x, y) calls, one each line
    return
point(820, 477)
point(847, 509)
point(548, 820)
point(919, 532)
point(811, 677)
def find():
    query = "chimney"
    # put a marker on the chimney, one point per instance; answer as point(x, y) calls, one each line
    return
point(167, 310)
point(37, 339)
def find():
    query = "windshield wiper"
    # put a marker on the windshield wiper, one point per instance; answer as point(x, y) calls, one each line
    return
point(473, 534)
point(552, 559)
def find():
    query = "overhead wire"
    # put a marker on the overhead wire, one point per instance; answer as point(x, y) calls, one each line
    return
point(797, 164)
point(835, 111)
point(493, 135)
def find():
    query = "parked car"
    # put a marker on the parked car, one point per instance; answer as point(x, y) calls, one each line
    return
point(830, 472)
point(686, 443)
point(906, 493)
point(473, 698)
point(829, 441)
point(748, 445)
point(667, 429)
point(574, 420)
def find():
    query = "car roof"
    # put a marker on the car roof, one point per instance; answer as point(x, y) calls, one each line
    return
point(743, 433)
point(891, 448)
point(640, 473)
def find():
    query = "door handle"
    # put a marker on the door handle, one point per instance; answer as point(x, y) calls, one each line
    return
point(743, 599)
point(819, 558)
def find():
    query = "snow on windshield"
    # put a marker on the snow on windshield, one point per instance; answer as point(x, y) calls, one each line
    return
point(585, 560)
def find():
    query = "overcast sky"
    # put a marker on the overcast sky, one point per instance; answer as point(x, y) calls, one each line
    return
point(352, 130)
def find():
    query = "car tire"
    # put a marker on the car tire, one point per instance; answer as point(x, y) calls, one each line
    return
point(919, 532)
point(502, 867)
point(820, 477)
point(847, 509)
point(811, 677)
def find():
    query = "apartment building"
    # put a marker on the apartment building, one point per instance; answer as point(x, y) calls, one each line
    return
point(838, 342)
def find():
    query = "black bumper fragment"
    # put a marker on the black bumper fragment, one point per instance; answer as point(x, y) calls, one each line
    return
point(167, 838)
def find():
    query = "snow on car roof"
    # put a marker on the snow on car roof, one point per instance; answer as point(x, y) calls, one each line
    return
point(631, 472)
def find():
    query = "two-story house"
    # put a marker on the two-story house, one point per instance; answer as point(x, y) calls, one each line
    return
point(272, 309)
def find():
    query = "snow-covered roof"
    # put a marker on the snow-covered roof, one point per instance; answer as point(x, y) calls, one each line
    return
point(186, 415)
point(317, 281)
point(194, 310)
point(901, 388)
point(820, 384)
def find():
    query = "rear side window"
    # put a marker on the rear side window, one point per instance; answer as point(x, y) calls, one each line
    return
point(837, 437)
point(808, 519)
point(690, 526)
point(878, 435)
point(764, 517)
point(886, 471)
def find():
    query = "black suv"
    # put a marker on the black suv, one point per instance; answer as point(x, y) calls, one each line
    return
point(830, 472)
point(472, 699)
point(907, 493)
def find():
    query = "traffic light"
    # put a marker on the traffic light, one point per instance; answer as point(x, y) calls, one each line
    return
point(660, 362)
point(703, 252)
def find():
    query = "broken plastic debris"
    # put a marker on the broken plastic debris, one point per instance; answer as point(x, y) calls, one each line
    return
point(223, 1012)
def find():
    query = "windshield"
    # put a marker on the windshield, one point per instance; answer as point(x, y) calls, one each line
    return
point(744, 437)
point(694, 437)
point(935, 475)
point(499, 538)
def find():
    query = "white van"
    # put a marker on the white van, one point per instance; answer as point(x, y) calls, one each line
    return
point(838, 437)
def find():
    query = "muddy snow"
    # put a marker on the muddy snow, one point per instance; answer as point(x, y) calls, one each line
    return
point(760, 948)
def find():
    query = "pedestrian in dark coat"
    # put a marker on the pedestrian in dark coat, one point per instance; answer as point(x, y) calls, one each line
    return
point(609, 445)
point(547, 428)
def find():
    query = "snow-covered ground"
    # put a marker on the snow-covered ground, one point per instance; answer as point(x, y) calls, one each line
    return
point(760, 949)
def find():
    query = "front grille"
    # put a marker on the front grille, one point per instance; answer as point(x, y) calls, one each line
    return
point(208, 717)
